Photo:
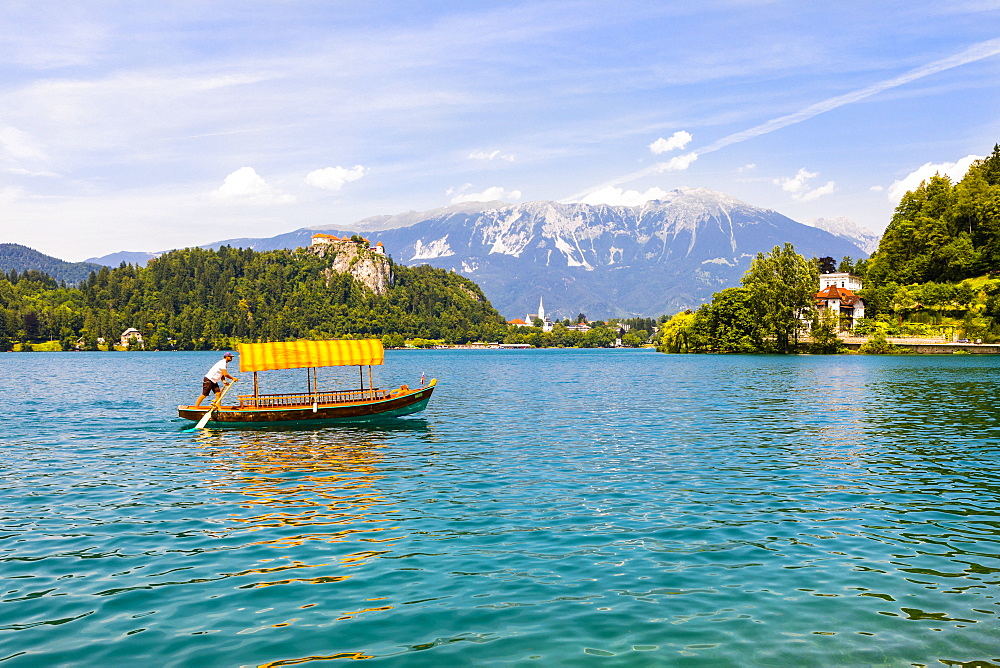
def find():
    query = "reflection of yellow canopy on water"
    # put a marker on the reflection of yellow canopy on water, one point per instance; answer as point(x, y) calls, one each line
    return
point(309, 354)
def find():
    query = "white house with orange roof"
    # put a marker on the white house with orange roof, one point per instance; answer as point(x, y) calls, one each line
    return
point(837, 295)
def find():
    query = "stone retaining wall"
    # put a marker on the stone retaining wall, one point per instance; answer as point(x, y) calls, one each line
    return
point(925, 347)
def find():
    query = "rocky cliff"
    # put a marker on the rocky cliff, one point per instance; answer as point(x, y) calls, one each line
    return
point(370, 268)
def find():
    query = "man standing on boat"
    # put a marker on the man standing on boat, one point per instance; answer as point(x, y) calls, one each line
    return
point(210, 383)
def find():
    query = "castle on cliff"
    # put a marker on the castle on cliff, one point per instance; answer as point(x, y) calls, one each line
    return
point(321, 239)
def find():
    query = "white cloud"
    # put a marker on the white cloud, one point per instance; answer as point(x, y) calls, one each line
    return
point(816, 193)
point(675, 164)
point(954, 170)
point(492, 155)
point(876, 189)
point(797, 183)
point(617, 197)
point(971, 54)
point(246, 185)
point(153, 218)
point(976, 52)
point(678, 164)
point(801, 189)
point(488, 195)
point(334, 178)
point(679, 139)
point(747, 168)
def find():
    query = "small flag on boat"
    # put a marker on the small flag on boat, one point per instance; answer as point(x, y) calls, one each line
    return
point(422, 378)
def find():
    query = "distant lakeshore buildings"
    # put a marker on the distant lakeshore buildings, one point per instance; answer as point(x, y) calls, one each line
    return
point(837, 295)
point(547, 323)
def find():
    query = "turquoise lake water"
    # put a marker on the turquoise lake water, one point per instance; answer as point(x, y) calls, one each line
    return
point(550, 507)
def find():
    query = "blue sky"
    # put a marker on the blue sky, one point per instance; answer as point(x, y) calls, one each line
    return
point(148, 126)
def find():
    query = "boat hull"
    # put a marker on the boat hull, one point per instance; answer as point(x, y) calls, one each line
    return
point(357, 411)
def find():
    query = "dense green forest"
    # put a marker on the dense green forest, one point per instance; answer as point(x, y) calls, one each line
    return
point(195, 299)
point(936, 272)
point(943, 232)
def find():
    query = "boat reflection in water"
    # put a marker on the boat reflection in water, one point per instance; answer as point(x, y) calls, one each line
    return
point(313, 498)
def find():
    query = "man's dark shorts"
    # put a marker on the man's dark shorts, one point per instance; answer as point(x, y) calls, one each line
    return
point(207, 387)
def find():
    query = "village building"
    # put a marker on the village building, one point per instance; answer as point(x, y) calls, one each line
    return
point(132, 338)
point(837, 295)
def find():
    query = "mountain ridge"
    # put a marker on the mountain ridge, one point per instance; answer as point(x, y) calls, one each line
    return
point(847, 229)
point(23, 258)
point(658, 257)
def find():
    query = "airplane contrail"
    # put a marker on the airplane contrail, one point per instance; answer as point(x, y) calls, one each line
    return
point(970, 55)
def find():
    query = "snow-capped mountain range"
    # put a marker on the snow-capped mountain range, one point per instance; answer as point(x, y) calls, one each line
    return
point(657, 258)
point(847, 229)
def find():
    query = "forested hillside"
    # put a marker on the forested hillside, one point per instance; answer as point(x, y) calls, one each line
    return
point(203, 299)
point(937, 268)
point(14, 257)
point(943, 232)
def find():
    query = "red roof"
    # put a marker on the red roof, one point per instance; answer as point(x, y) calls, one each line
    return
point(846, 297)
point(516, 321)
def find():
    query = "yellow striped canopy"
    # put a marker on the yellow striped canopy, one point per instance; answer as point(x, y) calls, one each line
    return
point(306, 354)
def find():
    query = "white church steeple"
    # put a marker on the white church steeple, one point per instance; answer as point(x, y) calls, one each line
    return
point(546, 324)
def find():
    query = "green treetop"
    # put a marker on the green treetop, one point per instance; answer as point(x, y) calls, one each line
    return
point(781, 285)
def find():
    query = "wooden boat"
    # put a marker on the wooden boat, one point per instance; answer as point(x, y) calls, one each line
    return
point(315, 405)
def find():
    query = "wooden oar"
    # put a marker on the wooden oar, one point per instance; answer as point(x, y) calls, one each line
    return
point(215, 404)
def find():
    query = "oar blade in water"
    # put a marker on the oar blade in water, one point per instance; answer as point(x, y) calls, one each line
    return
point(215, 404)
point(205, 418)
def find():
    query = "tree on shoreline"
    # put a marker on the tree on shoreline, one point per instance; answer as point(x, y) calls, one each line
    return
point(781, 285)
point(765, 315)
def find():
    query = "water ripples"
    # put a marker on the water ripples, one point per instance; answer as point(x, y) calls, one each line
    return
point(551, 506)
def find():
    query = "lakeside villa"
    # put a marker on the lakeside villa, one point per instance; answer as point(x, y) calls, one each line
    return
point(837, 294)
